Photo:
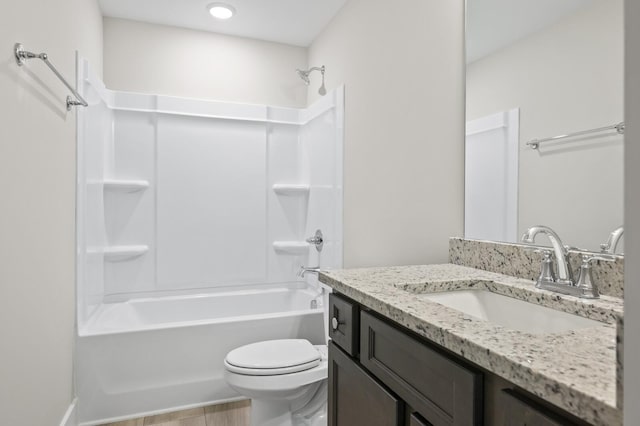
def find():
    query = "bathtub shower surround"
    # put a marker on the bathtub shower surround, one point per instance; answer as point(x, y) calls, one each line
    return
point(192, 220)
point(521, 261)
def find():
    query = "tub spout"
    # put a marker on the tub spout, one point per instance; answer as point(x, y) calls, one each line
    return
point(304, 270)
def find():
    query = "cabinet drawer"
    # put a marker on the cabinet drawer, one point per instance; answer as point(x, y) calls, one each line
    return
point(344, 324)
point(356, 398)
point(518, 411)
point(441, 390)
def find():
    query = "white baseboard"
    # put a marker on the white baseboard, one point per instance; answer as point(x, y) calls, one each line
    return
point(70, 418)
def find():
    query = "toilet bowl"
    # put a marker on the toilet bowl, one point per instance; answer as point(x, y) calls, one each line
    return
point(286, 380)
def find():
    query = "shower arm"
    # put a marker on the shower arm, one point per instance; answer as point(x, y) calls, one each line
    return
point(305, 73)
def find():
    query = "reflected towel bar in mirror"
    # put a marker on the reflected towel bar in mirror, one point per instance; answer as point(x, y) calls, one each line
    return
point(21, 58)
point(619, 128)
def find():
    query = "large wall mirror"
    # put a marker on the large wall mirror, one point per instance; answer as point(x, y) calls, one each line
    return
point(538, 69)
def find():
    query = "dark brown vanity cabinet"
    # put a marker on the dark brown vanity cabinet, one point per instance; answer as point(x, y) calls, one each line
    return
point(385, 377)
point(416, 420)
point(516, 410)
point(356, 398)
point(383, 374)
point(441, 390)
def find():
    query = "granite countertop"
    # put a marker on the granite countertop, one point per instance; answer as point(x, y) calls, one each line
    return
point(574, 370)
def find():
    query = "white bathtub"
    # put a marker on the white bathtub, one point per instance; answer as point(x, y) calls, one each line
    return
point(154, 355)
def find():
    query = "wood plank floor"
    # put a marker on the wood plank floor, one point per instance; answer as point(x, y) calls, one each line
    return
point(231, 414)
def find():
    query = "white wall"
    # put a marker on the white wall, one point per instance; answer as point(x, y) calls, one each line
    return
point(568, 77)
point(632, 214)
point(158, 59)
point(37, 183)
point(404, 126)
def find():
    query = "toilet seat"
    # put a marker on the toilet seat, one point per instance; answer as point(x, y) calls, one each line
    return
point(273, 357)
point(252, 384)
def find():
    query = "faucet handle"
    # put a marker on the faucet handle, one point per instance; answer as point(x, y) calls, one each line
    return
point(317, 240)
point(547, 268)
point(588, 288)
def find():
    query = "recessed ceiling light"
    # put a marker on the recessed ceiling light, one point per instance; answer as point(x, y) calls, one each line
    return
point(221, 10)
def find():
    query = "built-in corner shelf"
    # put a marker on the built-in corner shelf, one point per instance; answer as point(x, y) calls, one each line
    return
point(120, 253)
point(290, 189)
point(291, 247)
point(124, 185)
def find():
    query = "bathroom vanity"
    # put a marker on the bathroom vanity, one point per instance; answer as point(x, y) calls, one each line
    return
point(381, 374)
point(398, 358)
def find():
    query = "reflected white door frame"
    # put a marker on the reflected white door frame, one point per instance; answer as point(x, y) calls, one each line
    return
point(491, 177)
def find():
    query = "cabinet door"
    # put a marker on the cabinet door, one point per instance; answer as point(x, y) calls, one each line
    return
point(357, 399)
point(444, 392)
point(417, 420)
point(520, 412)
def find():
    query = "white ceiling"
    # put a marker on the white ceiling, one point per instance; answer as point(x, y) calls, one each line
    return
point(495, 24)
point(295, 22)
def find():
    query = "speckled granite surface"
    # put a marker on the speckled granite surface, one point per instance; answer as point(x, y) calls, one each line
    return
point(574, 370)
point(521, 261)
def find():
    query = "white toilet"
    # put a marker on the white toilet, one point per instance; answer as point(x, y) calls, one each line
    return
point(286, 380)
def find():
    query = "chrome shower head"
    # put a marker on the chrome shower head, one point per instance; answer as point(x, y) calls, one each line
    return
point(304, 75)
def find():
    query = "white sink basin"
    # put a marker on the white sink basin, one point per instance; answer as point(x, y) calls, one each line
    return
point(509, 312)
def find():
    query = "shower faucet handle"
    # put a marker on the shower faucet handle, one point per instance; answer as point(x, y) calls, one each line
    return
point(317, 240)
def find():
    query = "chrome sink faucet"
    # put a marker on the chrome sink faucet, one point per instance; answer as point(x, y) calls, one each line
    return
point(585, 287)
point(565, 275)
point(612, 243)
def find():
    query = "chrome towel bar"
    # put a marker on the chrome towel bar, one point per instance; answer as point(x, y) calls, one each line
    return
point(619, 128)
point(21, 58)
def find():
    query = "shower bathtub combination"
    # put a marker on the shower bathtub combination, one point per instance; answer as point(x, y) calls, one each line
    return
point(192, 220)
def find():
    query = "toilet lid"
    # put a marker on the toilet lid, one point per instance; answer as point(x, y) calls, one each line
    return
point(273, 357)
